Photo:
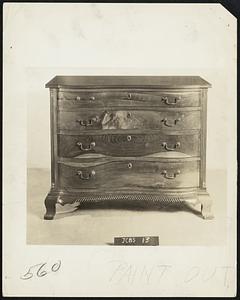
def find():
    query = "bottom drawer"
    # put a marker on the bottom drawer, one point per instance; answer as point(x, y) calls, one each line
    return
point(129, 175)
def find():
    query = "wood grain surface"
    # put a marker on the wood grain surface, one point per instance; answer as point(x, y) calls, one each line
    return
point(128, 81)
point(127, 144)
point(128, 136)
point(77, 99)
point(130, 174)
point(128, 119)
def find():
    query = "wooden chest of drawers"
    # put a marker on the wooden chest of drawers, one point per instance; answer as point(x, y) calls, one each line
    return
point(128, 138)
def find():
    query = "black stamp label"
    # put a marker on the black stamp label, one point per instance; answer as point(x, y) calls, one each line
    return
point(137, 241)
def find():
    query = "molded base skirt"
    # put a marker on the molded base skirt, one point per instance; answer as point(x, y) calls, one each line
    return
point(195, 197)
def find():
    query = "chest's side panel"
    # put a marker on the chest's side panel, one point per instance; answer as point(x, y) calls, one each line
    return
point(54, 137)
point(203, 144)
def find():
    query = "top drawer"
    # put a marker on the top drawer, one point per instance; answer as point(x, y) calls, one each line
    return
point(72, 99)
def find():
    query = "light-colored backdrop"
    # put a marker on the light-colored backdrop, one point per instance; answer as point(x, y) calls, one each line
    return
point(46, 40)
point(125, 39)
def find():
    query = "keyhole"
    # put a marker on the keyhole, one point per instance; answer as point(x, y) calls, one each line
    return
point(129, 96)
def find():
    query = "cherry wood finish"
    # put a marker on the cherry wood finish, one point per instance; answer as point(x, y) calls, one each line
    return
point(128, 138)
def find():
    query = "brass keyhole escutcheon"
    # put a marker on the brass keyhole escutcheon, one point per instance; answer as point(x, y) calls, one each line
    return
point(129, 165)
point(129, 96)
point(129, 138)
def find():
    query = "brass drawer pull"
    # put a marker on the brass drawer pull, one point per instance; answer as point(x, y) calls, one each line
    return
point(171, 176)
point(165, 100)
point(129, 138)
point(92, 98)
point(130, 165)
point(88, 148)
point(165, 146)
point(89, 122)
point(85, 122)
point(165, 122)
point(87, 176)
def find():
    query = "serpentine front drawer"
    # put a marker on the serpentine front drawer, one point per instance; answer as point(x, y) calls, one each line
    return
point(127, 144)
point(86, 120)
point(130, 174)
point(77, 99)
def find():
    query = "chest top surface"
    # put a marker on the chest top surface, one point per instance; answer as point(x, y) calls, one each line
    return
point(128, 82)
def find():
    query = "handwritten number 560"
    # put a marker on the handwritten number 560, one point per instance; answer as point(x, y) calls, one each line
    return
point(40, 271)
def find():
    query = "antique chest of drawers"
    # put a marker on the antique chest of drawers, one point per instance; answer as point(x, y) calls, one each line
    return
point(128, 138)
